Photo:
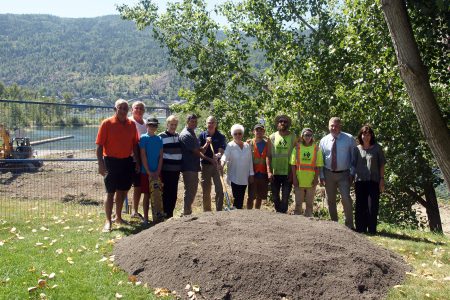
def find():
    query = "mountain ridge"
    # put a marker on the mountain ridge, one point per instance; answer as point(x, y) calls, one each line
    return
point(85, 57)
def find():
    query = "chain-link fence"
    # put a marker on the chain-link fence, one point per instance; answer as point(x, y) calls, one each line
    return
point(47, 158)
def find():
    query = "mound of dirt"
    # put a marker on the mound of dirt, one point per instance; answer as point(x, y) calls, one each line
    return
point(260, 255)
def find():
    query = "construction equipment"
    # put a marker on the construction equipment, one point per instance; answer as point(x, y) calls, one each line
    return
point(224, 187)
point(6, 148)
point(16, 150)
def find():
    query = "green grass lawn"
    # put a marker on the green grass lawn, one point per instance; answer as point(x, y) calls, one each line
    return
point(64, 255)
point(70, 256)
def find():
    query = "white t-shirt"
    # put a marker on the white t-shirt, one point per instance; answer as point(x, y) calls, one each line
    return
point(141, 128)
point(239, 162)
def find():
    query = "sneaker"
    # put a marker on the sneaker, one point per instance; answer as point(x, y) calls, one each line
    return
point(121, 222)
point(107, 227)
point(145, 223)
point(137, 216)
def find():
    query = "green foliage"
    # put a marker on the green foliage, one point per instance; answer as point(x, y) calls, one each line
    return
point(319, 59)
point(28, 114)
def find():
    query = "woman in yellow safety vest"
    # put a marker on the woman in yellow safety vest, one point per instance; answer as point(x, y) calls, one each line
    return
point(306, 159)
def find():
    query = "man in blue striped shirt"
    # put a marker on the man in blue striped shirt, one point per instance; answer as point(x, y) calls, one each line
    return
point(337, 148)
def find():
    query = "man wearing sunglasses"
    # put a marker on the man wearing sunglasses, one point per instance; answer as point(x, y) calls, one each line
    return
point(279, 172)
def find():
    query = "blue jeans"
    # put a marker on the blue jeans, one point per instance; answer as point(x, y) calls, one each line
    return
point(281, 182)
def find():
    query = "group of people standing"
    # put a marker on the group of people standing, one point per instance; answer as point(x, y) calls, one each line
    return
point(130, 152)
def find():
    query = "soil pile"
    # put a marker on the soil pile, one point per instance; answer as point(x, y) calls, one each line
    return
point(260, 255)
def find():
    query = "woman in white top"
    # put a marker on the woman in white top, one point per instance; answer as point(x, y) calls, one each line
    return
point(238, 157)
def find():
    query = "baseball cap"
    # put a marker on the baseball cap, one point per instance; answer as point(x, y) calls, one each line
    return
point(153, 121)
point(259, 125)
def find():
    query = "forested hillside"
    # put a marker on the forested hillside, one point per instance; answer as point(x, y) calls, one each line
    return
point(89, 57)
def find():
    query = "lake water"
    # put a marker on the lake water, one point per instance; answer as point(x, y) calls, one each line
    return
point(83, 137)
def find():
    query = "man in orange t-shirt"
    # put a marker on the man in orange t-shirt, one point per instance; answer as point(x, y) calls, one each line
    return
point(117, 138)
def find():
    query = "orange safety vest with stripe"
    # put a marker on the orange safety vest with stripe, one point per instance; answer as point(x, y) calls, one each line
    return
point(259, 159)
point(311, 167)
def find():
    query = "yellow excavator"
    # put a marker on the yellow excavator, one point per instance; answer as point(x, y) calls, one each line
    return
point(16, 148)
point(6, 147)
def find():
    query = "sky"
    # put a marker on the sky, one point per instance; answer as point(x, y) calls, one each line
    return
point(73, 8)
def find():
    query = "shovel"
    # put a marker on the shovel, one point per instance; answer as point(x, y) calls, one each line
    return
point(224, 187)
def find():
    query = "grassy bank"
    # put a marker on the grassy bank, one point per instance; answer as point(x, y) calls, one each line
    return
point(65, 256)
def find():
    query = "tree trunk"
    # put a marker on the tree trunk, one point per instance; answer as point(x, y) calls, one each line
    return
point(415, 77)
point(434, 218)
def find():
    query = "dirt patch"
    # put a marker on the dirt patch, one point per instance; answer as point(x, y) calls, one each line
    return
point(260, 255)
point(66, 181)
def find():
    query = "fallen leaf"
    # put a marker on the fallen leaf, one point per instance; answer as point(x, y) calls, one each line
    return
point(34, 230)
point(437, 264)
point(32, 289)
point(5, 280)
point(66, 228)
point(39, 244)
point(42, 283)
point(162, 292)
point(118, 296)
point(187, 287)
point(44, 228)
point(191, 293)
point(103, 259)
point(446, 278)
point(46, 238)
point(51, 276)
point(2, 243)
point(132, 278)
point(196, 288)
point(138, 283)
point(398, 286)
point(13, 230)
point(59, 251)
point(120, 282)
point(411, 274)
